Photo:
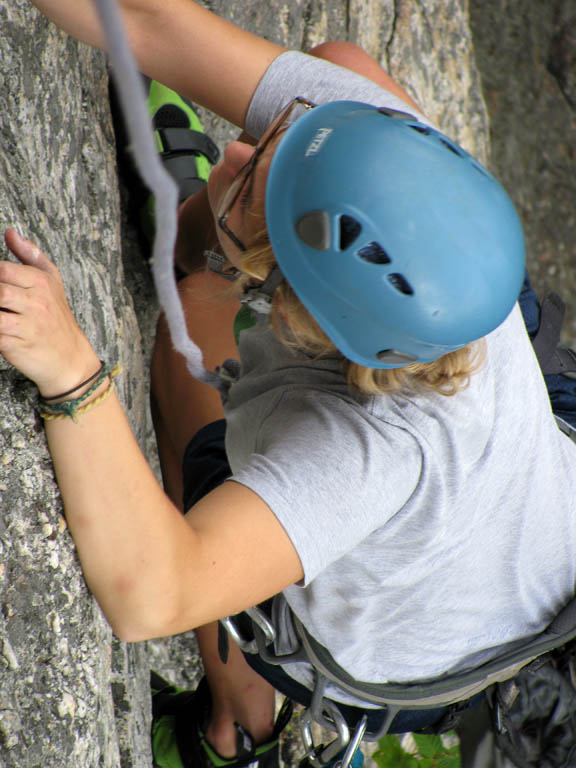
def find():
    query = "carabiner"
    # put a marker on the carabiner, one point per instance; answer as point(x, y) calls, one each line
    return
point(260, 619)
point(320, 756)
point(354, 744)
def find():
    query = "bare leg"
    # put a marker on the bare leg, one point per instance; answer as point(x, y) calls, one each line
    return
point(238, 695)
point(181, 406)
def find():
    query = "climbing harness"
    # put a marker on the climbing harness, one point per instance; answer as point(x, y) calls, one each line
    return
point(446, 691)
point(321, 711)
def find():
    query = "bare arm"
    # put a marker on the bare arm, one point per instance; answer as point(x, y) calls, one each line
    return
point(184, 46)
point(153, 571)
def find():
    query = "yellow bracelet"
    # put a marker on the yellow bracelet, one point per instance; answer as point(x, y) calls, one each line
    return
point(89, 406)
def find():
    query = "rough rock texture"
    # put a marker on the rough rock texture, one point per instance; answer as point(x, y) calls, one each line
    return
point(526, 52)
point(70, 694)
point(425, 44)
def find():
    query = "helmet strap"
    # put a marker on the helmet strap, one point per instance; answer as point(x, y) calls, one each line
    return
point(259, 297)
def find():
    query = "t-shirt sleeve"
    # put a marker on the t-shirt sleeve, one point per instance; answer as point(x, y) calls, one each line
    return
point(295, 74)
point(330, 478)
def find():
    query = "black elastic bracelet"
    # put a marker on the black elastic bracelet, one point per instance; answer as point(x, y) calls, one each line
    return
point(83, 384)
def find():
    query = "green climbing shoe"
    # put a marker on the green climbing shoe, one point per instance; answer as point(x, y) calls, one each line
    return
point(187, 152)
point(178, 722)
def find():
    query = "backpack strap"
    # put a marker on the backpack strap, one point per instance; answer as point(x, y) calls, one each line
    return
point(553, 359)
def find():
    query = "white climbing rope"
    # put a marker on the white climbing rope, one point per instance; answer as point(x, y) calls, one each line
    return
point(134, 109)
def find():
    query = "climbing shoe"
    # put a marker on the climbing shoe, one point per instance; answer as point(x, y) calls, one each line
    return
point(186, 151)
point(179, 719)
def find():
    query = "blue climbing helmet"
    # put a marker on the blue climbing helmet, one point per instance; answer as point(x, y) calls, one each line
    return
point(398, 242)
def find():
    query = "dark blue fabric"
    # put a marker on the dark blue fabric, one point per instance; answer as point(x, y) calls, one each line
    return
point(530, 307)
point(561, 389)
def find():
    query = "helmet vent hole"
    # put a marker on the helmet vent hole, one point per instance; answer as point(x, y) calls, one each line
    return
point(349, 231)
point(480, 168)
point(374, 253)
point(452, 147)
point(420, 129)
point(401, 284)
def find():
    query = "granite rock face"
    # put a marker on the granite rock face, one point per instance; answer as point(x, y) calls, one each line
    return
point(71, 695)
point(425, 45)
point(526, 53)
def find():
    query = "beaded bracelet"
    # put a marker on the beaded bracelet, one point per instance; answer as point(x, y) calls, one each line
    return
point(73, 408)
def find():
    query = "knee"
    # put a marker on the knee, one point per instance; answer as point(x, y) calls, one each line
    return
point(355, 58)
point(340, 52)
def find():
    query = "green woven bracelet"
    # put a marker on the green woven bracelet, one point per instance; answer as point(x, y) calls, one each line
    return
point(69, 407)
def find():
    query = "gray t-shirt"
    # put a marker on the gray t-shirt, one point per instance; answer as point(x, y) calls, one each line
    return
point(432, 530)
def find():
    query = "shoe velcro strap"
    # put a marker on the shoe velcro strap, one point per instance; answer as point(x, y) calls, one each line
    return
point(188, 187)
point(184, 171)
point(245, 748)
point(175, 140)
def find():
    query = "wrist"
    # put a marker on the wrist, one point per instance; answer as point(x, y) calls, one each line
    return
point(86, 396)
point(75, 379)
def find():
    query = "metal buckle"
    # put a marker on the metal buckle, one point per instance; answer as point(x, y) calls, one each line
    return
point(320, 756)
point(260, 619)
point(257, 300)
point(248, 646)
point(259, 297)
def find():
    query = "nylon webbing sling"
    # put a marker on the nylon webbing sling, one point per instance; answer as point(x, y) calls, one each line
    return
point(133, 104)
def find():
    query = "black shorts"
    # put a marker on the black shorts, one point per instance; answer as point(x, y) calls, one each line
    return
point(205, 464)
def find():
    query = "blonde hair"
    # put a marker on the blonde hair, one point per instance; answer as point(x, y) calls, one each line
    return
point(296, 328)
